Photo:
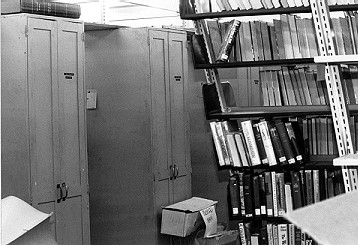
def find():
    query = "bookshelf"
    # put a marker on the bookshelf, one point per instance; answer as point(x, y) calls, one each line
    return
point(220, 106)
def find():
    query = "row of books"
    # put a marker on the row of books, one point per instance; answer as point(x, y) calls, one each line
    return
point(43, 7)
point(286, 38)
point(263, 233)
point(271, 194)
point(258, 143)
point(204, 6)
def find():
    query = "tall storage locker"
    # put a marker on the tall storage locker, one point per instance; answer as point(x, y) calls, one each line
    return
point(44, 155)
point(138, 136)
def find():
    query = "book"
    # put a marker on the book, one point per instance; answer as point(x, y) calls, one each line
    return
point(246, 48)
point(270, 89)
point(294, 37)
point(301, 92)
point(280, 42)
point(274, 194)
point(256, 41)
point(234, 196)
point(324, 140)
point(312, 87)
point(311, 37)
point(264, 88)
point(266, 41)
point(286, 34)
point(268, 192)
point(232, 147)
point(282, 87)
point(291, 234)
point(256, 193)
point(270, 234)
point(218, 144)
point(282, 234)
point(303, 187)
point(285, 141)
point(295, 147)
point(68, 10)
point(266, 139)
point(259, 39)
point(273, 43)
point(259, 143)
point(276, 88)
point(254, 87)
point(215, 36)
point(277, 145)
point(302, 37)
point(316, 185)
point(228, 41)
point(309, 187)
point(250, 142)
point(275, 234)
point(336, 26)
point(347, 38)
point(248, 195)
point(296, 190)
point(288, 197)
point(240, 143)
point(262, 194)
point(240, 177)
point(242, 233)
point(200, 53)
point(222, 129)
point(305, 86)
point(280, 191)
point(295, 84)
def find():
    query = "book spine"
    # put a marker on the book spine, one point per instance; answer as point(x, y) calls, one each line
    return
point(250, 142)
point(248, 195)
point(241, 194)
point(294, 143)
point(291, 234)
point(241, 149)
point(233, 150)
point(68, 10)
point(266, 139)
point(316, 185)
point(242, 233)
point(282, 234)
point(270, 234)
point(234, 197)
point(285, 141)
point(274, 194)
point(256, 193)
point(262, 194)
point(296, 190)
point(260, 144)
point(268, 192)
point(277, 145)
point(280, 186)
point(228, 41)
point(217, 144)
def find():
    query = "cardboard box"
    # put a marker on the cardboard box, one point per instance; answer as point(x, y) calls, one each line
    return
point(182, 218)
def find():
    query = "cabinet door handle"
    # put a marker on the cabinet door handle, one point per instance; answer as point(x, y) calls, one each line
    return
point(66, 191)
point(172, 172)
point(176, 171)
point(59, 193)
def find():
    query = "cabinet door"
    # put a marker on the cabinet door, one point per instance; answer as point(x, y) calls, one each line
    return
point(179, 115)
point(43, 118)
point(73, 153)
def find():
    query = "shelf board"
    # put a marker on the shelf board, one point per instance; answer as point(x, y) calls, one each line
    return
point(337, 59)
point(276, 111)
point(253, 12)
point(258, 63)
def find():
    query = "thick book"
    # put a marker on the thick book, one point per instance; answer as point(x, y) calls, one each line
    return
point(266, 139)
point(277, 145)
point(68, 10)
point(305, 87)
point(316, 185)
point(280, 190)
point(286, 33)
point(275, 234)
point(256, 41)
point(273, 42)
point(234, 197)
point(250, 142)
point(259, 39)
point(256, 194)
point(285, 141)
point(248, 195)
point(312, 87)
point(223, 142)
point(288, 197)
point(296, 190)
point(276, 88)
point(262, 194)
point(270, 89)
point(215, 35)
point(218, 144)
point(311, 37)
point(291, 234)
point(295, 85)
point(309, 186)
point(283, 90)
point(259, 143)
point(302, 37)
point(228, 41)
point(200, 53)
point(294, 143)
point(268, 193)
point(240, 178)
point(242, 234)
point(246, 48)
point(347, 38)
point(270, 234)
point(338, 36)
point(294, 37)
point(264, 88)
point(266, 41)
point(279, 37)
point(282, 234)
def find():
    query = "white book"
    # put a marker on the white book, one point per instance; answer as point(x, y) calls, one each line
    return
point(291, 234)
point(242, 234)
point(275, 234)
point(291, 3)
point(247, 4)
point(250, 142)
point(254, 239)
point(274, 194)
point(282, 234)
point(217, 144)
point(306, 3)
point(234, 4)
point(288, 197)
point(266, 139)
point(256, 4)
point(315, 179)
point(233, 150)
point(298, 3)
point(276, 4)
point(269, 234)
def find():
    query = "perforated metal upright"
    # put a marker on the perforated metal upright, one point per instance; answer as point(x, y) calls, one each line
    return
point(340, 114)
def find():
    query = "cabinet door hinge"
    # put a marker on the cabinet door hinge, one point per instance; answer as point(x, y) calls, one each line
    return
point(26, 31)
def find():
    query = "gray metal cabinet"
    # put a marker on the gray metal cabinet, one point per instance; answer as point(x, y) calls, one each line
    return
point(44, 152)
point(138, 136)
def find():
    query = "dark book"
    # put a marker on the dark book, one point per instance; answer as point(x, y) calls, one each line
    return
point(259, 40)
point(228, 41)
point(240, 178)
point(347, 38)
point(347, 86)
point(294, 143)
point(303, 187)
point(309, 187)
point(200, 53)
point(68, 10)
point(266, 41)
point(297, 236)
point(280, 190)
point(277, 145)
point(296, 89)
point(262, 194)
point(256, 194)
point(268, 193)
point(296, 190)
point(273, 43)
point(285, 141)
point(248, 195)
point(215, 35)
point(234, 197)
point(259, 143)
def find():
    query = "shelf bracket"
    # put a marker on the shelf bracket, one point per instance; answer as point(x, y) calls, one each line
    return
point(340, 114)
point(212, 74)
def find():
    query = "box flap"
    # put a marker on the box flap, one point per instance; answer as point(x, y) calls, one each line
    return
point(193, 204)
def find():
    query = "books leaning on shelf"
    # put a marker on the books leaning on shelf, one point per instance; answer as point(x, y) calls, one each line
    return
point(273, 193)
point(43, 7)
point(257, 143)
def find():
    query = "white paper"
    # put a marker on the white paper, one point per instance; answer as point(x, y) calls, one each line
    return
point(330, 222)
point(210, 219)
